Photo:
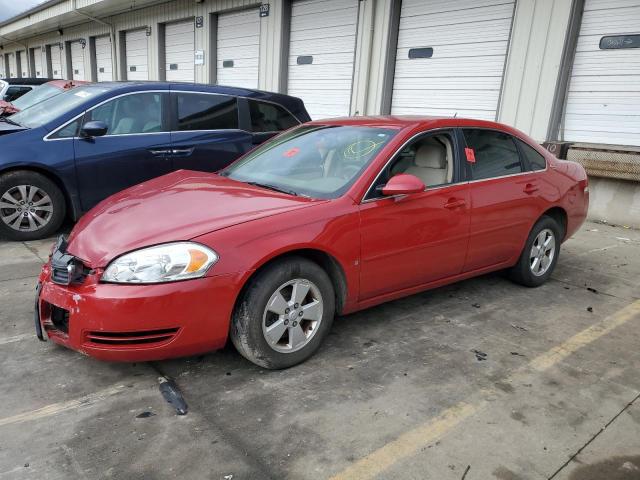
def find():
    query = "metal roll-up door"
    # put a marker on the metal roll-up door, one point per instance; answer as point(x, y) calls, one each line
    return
point(137, 55)
point(77, 61)
point(38, 66)
point(450, 57)
point(104, 65)
point(13, 67)
point(321, 55)
point(238, 48)
point(179, 49)
point(23, 64)
point(56, 61)
point(3, 72)
point(603, 98)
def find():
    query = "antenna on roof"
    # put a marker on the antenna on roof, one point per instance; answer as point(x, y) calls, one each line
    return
point(455, 115)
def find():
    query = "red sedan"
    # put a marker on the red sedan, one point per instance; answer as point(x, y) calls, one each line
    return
point(328, 218)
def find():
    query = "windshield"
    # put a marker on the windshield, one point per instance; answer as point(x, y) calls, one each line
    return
point(36, 96)
point(51, 108)
point(319, 161)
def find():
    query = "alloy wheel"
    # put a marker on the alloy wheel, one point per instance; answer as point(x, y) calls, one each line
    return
point(542, 252)
point(26, 208)
point(292, 315)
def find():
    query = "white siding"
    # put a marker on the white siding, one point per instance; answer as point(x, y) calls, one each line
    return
point(470, 39)
point(326, 31)
point(603, 101)
point(13, 67)
point(104, 64)
point(23, 63)
point(179, 51)
point(3, 73)
point(38, 64)
point(136, 45)
point(238, 48)
point(56, 62)
point(77, 61)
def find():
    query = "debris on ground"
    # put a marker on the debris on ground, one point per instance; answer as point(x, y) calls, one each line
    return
point(590, 309)
point(476, 305)
point(172, 395)
point(146, 414)
point(591, 289)
point(518, 327)
point(517, 354)
point(480, 356)
point(466, 470)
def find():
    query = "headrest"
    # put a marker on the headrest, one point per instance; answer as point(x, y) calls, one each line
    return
point(431, 155)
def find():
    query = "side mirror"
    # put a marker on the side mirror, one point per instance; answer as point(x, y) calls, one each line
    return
point(93, 129)
point(403, 184)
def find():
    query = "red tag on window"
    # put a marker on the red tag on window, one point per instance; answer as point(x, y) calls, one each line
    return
point(471, 155)
point(291, 152)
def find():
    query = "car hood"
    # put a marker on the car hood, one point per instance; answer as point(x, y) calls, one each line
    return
point(178, 206)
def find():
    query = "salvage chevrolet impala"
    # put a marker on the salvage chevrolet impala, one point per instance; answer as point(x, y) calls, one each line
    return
point(328, 218)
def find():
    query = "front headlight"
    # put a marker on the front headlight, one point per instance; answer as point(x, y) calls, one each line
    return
point(162, 263)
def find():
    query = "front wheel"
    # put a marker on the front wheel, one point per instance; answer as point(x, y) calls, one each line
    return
point(284, 314)
point(31, 206)
point(540, 254)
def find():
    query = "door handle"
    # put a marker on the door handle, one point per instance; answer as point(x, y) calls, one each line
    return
point(160, 151)
point(454, 203)
point(530, 188)
point(182, 152)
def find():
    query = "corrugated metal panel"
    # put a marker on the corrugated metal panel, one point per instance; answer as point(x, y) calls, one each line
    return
point(38, 65)
point(323, 31)
point(137, 55)
point(104, 63)
point(238, 44)
point(3, 73)
point(56, 61)
point(77, 61)
point(179, 51)
point(603, 100)
point(465, 71)
point(13, 66)
point(23, 63)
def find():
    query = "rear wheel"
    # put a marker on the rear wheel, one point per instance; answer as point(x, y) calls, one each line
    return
point(540, 254)
point(31, 206)
point(284, 314)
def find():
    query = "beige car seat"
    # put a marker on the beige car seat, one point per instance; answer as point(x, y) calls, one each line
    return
point(430, 163)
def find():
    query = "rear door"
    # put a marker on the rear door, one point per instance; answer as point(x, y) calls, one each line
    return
point(503, 205)
point(136, 147)
point(206, 133)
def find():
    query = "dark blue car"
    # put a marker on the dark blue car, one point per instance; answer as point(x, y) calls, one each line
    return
point(60, 157)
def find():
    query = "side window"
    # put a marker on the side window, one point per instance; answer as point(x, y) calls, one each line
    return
point(130, 114)
point(430, 158)
point(13, 93)
point(534, 159)
point(267, 117)
point(495, 153)
point(68, 131)
point(198, 111)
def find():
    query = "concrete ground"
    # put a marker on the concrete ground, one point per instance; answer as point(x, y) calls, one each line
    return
point(479, 380)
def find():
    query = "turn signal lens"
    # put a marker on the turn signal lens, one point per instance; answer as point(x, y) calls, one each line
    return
point(163, 263)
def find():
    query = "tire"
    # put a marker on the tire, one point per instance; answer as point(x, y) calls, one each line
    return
point(524, 272)
point(258, 312)
point(48, 207)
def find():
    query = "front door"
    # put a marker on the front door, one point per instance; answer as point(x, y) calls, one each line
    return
point(206, 134)
point(416, 239)
point(136, 148)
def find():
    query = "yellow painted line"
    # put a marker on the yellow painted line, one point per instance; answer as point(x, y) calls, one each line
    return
point(412, 441)
point(585, 337)
point(56, 408)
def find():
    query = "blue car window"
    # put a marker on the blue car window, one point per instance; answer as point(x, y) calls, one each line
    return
point(197, 111)
point(131, 114)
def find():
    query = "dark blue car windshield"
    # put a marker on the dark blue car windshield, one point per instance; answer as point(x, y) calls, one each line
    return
point(51, 108)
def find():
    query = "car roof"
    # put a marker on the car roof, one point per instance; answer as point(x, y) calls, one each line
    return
point(238, 91)
point(65, 84)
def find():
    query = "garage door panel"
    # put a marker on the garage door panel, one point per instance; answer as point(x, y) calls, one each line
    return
point(319, 34)
point(104, 64)
point(323, 7)
point(464, 74)
point(179, 51)
point(604, 89)
point(137, 55)
point(341, 60)
point(77, 61)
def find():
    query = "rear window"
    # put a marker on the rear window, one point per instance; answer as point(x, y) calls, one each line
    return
point(268, 117)
point(496, 154)
point(198, 111)
point(533, 158)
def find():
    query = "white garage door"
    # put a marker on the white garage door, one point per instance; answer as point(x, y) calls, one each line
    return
point(24, 64)
point(450, 57)
point(13, 68)
point(77, 61)
point(179, 51)
point(321, 54)
point(238, 48)
point(3, 72)
point(136, 45)
point(38, 67)
point(603, 101)
point(56, 61)
point(104, 68)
